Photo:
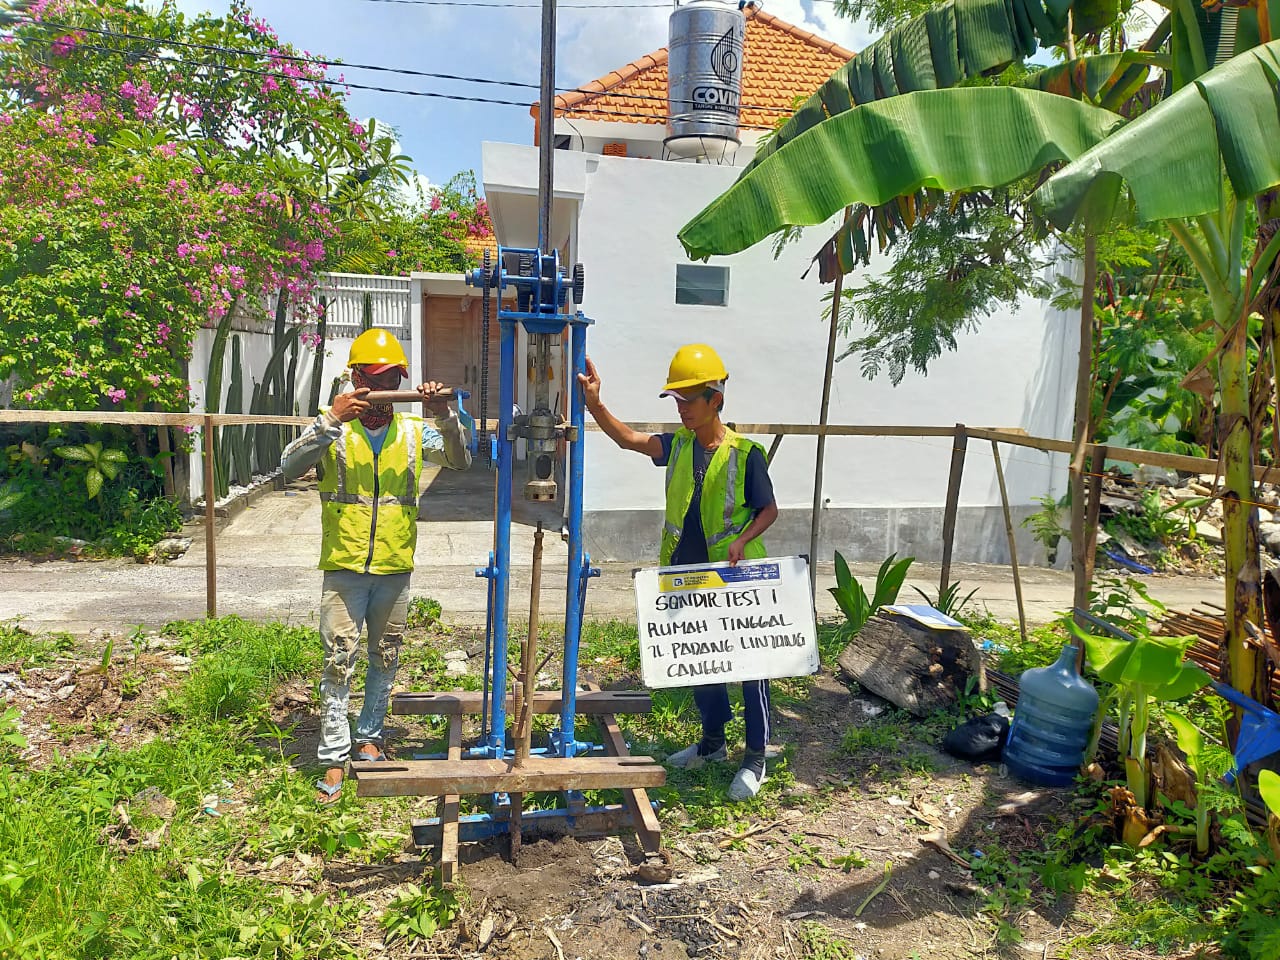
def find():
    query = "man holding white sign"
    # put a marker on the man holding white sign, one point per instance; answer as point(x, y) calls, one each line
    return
point(719, 501)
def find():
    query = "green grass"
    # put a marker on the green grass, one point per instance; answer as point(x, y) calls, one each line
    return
point(238, 663)
point(21, 648)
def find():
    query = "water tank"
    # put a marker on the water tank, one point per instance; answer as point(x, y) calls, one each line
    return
point(1051, 723)
point(704, 78)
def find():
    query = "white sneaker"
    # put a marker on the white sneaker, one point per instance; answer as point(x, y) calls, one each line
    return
point(690, 759)
point(745, 785)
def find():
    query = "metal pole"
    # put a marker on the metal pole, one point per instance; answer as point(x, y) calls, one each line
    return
point(575, 588)
point(529, 659)
point(546, 124)
point(502, 544)
point(210, 551)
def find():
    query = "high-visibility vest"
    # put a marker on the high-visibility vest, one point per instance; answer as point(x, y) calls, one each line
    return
point(723, 506)
point(369, 502)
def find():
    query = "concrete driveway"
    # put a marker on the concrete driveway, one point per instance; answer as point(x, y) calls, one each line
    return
point(266, 556)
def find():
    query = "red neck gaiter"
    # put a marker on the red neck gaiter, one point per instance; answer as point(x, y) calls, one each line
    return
point(379, 414)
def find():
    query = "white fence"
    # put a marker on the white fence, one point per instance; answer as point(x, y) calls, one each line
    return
point(350, 300)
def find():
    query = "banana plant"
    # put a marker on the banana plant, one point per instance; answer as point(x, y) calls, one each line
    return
point(1196, 162)
point(852, 598)
point(1207, 760)
point(912, 146)
point(1143, 670)
point(1269, 788)
point(103, 464)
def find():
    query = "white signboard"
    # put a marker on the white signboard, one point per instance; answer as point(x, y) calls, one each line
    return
point(713, 623)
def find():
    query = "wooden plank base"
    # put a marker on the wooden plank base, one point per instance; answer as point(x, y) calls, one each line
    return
point(418, 778)
point(453, 702)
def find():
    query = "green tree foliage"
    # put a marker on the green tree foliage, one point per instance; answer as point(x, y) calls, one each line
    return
point(954, 267)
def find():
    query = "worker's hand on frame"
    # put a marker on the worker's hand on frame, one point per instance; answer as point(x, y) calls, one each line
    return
point(349, 406)
point(437, 405)
point(736, 551)
point(590, 383)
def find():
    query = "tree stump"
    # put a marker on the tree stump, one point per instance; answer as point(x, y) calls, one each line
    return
point(914, 666)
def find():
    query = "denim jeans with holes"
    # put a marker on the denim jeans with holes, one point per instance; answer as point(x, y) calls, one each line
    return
point(350, 603)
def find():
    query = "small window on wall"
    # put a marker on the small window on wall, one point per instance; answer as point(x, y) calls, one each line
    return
point(701, 284)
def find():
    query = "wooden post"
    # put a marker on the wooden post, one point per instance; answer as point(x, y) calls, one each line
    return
point(815, 522)
point(958, 447)
point(1084, 397)
point(1013, 547)
point(210, 551)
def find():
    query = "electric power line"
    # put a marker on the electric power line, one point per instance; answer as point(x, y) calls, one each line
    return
point(400, 71)
point(429, 94)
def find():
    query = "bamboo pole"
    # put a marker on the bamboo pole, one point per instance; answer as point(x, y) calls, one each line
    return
point(1013, 547)
point(815, 521)
point(958, 449)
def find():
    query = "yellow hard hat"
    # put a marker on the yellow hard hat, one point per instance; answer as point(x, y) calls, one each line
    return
point(379, 351)
point(693, 364)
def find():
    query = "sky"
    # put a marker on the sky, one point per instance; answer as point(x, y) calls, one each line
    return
point(443, 137)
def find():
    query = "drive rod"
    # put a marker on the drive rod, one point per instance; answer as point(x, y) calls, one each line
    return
point(404, 396)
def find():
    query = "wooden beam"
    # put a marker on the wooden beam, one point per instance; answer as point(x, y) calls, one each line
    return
point(645, 821)
point(958, 448)
point(464, 702)
point(448, 810)
point(426, 778)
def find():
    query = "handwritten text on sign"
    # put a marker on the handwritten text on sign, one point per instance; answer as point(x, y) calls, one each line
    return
point(713, 624)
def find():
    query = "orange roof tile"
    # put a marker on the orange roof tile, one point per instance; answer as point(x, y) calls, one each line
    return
point(781, 63)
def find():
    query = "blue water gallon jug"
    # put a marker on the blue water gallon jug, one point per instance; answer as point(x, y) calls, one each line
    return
point(1051, 723)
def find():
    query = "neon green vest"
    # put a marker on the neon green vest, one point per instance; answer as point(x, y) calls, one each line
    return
point(369, 504)
point(724, 511)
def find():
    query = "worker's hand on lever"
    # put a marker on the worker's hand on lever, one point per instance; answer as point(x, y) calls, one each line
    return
point(349, 406)
point(590, 383)
point(436, 398)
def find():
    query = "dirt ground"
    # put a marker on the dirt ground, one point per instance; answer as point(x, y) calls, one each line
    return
point(871, 849)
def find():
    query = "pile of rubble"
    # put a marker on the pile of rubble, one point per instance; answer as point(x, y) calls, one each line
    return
point(1190, 509)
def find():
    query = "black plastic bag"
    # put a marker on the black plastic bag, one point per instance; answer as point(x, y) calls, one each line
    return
point(979, 740)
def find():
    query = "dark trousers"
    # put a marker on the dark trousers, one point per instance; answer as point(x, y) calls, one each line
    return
point(715, 710)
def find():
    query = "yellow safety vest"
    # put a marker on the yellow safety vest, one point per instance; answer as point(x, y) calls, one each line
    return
point(723, 506)
point(369, 503)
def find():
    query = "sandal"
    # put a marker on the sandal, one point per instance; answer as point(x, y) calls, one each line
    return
point(331, 791)
point(363, 757)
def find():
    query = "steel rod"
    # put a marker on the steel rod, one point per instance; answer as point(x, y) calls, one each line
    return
point(546, 126)
point(404, 396)
point(497, 742)
point(528, 655)
point(575, 585)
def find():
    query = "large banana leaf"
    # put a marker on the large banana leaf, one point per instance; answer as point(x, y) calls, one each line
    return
point(959, 139)
point(1172, 158)
point(952, 42)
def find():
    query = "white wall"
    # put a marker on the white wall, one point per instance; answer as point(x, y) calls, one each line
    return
point(1016, 371)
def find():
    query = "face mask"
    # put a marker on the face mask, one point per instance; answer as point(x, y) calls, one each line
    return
point(379, 414)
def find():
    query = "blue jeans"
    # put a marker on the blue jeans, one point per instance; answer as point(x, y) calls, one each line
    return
point(715, 710)
point(350, 602)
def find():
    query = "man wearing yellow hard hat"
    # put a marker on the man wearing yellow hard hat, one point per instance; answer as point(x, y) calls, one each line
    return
point(368, 459)
point(719, 501)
